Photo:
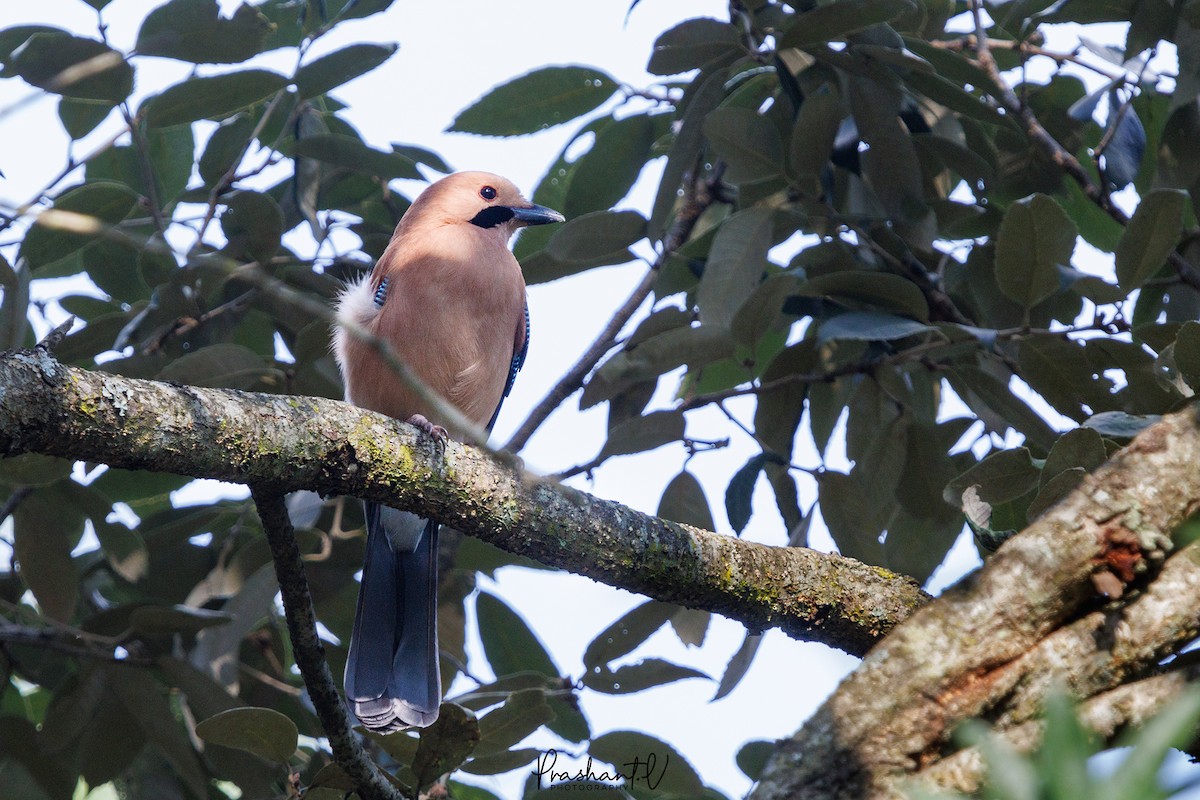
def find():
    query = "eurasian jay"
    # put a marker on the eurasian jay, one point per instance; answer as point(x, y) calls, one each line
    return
point(449, 298)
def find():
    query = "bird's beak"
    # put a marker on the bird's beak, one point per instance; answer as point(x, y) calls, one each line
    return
point(534, 214)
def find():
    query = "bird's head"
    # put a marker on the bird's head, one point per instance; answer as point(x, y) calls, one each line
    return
point(482, 199)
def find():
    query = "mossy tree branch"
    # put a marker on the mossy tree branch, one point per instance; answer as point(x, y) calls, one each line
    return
point(291, 443)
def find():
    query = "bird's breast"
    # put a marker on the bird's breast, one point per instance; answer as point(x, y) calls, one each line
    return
point(450, 314)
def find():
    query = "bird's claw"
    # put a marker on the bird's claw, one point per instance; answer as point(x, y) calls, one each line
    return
point(438, 433)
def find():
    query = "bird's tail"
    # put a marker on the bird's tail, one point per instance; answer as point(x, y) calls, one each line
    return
point(392, 675)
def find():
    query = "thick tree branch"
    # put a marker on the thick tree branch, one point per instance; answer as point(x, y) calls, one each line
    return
point(955, 658)
point(291, 443)
point(310, 653)
point(1107, 714)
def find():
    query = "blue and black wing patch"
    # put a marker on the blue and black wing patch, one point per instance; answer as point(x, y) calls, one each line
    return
point(518, 361)
point(381, 293)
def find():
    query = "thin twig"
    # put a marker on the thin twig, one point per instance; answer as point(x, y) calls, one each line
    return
point(967, 42)
point(60, 642)
point(71, 165)
point(309, 653)
point(54, 338)
point(226, 179)
point(184, 325)
point(15, 499)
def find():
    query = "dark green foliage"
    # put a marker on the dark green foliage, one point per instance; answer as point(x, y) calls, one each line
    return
point(849, 233)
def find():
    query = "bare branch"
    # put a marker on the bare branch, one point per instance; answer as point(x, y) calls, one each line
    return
point(309, 653)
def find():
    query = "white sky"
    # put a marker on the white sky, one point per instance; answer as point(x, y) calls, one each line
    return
point(450, 54)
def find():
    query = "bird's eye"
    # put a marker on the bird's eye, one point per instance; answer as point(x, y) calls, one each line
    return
point(488, 193)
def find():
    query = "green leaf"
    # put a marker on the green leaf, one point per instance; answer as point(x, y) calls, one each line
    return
point(156, 620)
point(511, 647)
point(1187, 353)
point(341, 150)
point(602, 176)
point(633, 678)
point(1053, 490)
point(880, 290)
point(194, 31)
point(332, 776)
point(218, 365)
point(536, 101)
point(836, 19)
point(1035, 238)
point(685, 148)
point(1172, 727)
point(747, 141)
point(683, 501)
point(262, 731)
point(752, 758)
point(1011, 776)
point(143, 697)
point(1082, 447)
point(1003, 476)
point(815, 131)
point(73, 66)
point(172, 154)
point(735, 265)
point(107, 202)
point(1058, 369)
point(508, 642)
point(1120, 426)
point(916, 545)
point(692, 44)
point(1150, 237)
point(212, 98)
point(34, 469)
point(762, 313)
point(225, 148)
point(695, 346)
point(1095, 225)
point(627, 633)
point(644, 433)
point(869, 326)
point(43, 537)
point(492, 764)
point(739, 665)
point(740, 490)
point(522, 714)
point(599, 235)
point(253, 226)
point(1066, 747)
point(446, 744)
point(341, 67)
point(660, 765)
point(691, 625)
point(80, 117)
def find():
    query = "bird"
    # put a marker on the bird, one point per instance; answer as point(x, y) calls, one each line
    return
point(449, 298)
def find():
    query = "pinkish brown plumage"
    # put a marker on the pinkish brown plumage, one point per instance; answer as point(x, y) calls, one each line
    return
point(449, 298)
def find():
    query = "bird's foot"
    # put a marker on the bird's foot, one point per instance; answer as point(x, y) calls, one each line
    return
point(438, 433)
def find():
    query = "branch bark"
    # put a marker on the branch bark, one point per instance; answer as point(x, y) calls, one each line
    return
point(1035, 610)
point(291, 443)
point(310, 653)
